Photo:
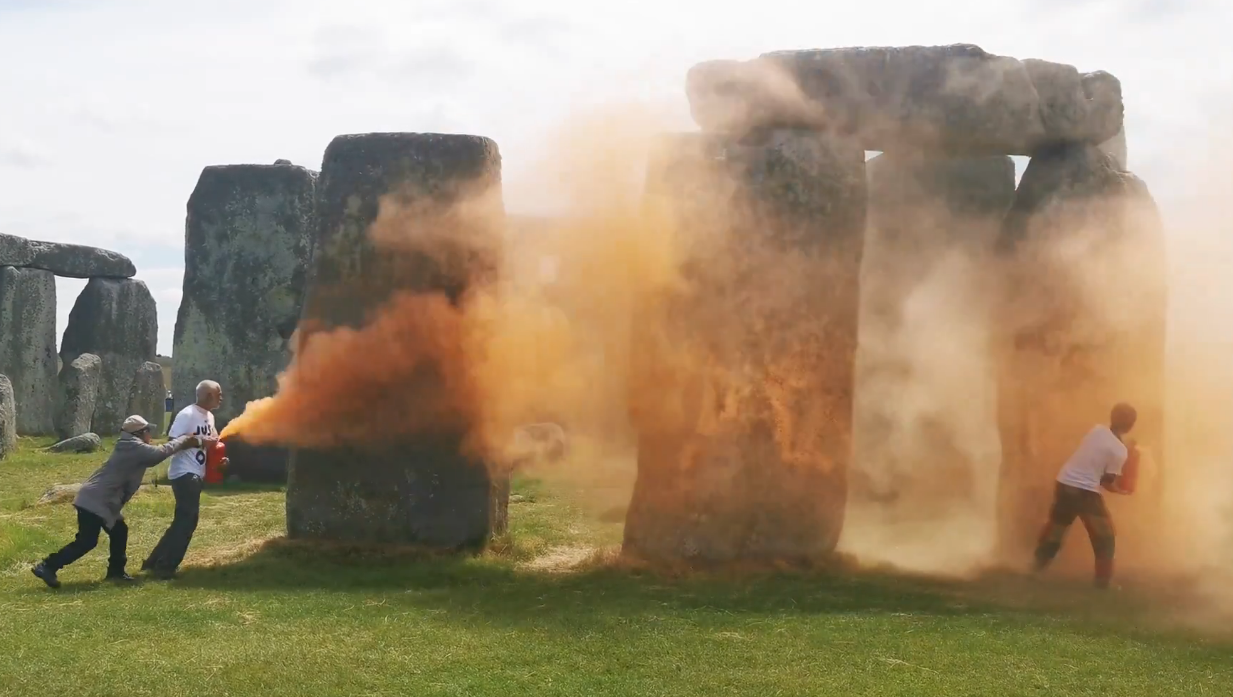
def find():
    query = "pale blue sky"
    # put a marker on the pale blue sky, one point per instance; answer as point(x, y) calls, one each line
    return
point(112, 107)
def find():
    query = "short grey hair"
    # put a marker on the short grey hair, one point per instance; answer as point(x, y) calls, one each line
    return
point(205, 388)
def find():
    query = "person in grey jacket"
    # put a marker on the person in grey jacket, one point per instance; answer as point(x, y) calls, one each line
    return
point(104, 494)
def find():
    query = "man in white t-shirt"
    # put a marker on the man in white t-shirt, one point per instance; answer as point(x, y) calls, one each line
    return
point(1096, 464)
point(186, 473)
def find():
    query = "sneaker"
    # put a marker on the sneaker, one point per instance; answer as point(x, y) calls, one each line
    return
point(120, 577)
point(46, 575)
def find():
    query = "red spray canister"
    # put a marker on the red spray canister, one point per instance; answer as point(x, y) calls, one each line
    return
point(215, 452)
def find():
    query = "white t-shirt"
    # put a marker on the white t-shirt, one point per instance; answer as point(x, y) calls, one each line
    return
point(1099, 454)
point(191, 421)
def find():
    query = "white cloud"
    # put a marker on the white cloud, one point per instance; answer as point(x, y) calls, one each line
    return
point(122, 102)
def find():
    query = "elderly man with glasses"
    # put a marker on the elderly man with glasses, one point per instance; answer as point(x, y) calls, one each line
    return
point(104, 494)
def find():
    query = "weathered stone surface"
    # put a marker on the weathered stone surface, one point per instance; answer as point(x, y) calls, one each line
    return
point(8, 418)
point(28, 345)
point(956, 99)
point(402, 489)
point(248, 243)
point(62, 259)
point(1115, 147)
point(116, 320)
point(925, 441)
point(743, 383)
point(77, 394)
point(148, 395)
point(263, 464)
point(1082, 325)
point(84, 443)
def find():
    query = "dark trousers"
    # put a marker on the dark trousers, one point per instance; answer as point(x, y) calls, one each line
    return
point(88, 527)
point(170, 550)
point(1088, 506)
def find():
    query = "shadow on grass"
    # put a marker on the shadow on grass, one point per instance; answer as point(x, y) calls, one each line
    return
point(232, 489)
point(502, 591)
point(238, 489)
point(494, 588)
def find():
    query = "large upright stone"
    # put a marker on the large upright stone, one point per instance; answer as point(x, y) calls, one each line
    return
point(8, 418)
point(62, 259)
point(743, 383)
point(396, 488)
point(116, 320)
point(28, 345)
point(148, 396)
point(77, 395)
point(248, 244)
point(957, 100)
point(1082, 327)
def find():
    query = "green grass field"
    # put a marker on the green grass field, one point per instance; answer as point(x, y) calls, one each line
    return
point(547, 612)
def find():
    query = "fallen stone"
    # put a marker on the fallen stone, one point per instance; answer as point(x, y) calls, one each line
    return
point(60, 493)
point(956, 100)
point(116, 320)
point(84, 443)
point(65, 493)
point(404, 489)
point(1078, 337)
point(744, 416)
point(8, 418)
point(28, 345)
point(544, 443)
point(148, 395)
point(77, 395)
point(69, 260)
point(248, 243)
point(926, 298)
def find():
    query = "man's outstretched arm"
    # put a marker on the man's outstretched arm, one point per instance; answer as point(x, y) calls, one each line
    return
point(152, 455)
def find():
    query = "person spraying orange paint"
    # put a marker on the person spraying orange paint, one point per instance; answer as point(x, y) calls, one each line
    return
point(1105, 459)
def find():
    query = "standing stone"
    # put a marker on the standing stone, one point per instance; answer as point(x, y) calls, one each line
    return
point(70, 260)
point(8, 418)
point(148, 396)
point(412, 489)
point(954, 100)
point(925, 409)
point(248, 243)
point(116, 320)
point(77, 395)
point(1083, 327)
point(743, 381)
point(28, 345)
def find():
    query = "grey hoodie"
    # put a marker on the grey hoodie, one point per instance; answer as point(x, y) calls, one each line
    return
point(113, 484)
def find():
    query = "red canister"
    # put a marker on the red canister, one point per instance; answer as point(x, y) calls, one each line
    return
point(215, 452)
